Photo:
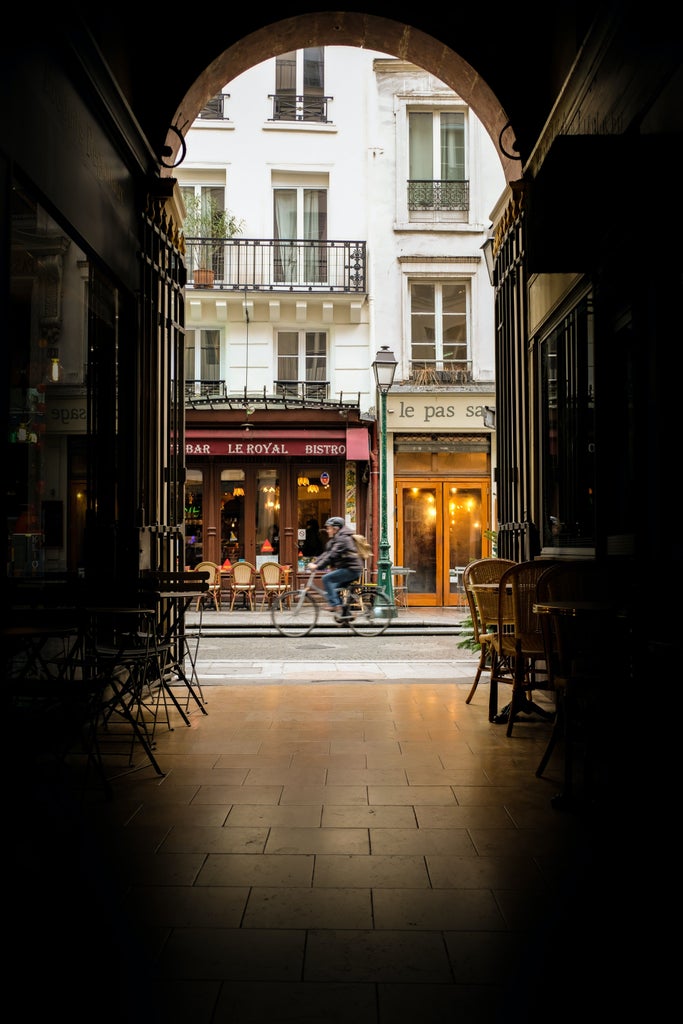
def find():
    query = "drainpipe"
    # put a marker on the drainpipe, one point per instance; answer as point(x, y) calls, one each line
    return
point(374, 492)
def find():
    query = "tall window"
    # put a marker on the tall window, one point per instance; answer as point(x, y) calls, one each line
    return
point(203, 255)
point(436, 160)
point(302, 363)
point(438, 330)
point(210, 195)
point(300, 213)
point(568, 431)
point(202, 360)
point(300, 84)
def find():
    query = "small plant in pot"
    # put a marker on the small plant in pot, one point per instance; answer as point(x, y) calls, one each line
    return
point(205, 228)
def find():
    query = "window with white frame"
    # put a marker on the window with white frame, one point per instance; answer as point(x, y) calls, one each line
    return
point(203, 362)
point(300, 213)
point(208, 195)
point(437, 178)
point(299, 85)
point(301, 359)
point(439, 331)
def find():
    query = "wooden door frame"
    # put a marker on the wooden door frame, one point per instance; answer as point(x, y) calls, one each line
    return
point(442, 596)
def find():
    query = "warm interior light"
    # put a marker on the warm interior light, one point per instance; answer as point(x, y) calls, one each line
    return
point(313, 488)
point(303, 481)
point(238, 492)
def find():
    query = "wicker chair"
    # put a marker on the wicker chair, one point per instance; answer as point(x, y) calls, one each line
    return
point(482, 570)
point(519, 639)
point(274, 581)
point(214, 591)
point(243, 582)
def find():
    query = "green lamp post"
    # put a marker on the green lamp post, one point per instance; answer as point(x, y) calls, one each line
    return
point(384, 368)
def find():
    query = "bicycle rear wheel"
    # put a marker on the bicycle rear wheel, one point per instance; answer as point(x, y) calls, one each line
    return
point(294, 613)
point(371, 611)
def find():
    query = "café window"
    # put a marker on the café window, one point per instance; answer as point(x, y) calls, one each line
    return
point(232, 516)
point(267, 516)
point(314, 507)
point(567, 416)
point(194, 517)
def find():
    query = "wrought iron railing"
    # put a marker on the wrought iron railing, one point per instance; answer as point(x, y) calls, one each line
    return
point(205, 389)
point(300, 108)
point(215, 108)
point(440, 371)
point(269, 264)
point(314, 389)
point(438, 195)
point(303, 394)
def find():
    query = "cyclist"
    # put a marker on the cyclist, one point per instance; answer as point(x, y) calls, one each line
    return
point(342, 555)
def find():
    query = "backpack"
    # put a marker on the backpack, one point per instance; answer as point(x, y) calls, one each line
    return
point(362, 546)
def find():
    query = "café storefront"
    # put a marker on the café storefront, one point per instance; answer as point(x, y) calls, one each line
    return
point(264, 494)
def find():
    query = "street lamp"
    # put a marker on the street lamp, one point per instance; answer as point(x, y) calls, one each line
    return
point(384, 368)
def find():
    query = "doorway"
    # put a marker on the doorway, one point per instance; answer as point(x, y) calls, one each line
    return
point(441, 525)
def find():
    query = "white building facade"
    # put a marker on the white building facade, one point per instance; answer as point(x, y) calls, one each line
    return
point(362, 186)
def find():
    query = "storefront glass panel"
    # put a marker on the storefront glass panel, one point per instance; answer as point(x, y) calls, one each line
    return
point(314, 507)
point(267, 516)
point(194, 517)
point(232, 516)
point(441, 527)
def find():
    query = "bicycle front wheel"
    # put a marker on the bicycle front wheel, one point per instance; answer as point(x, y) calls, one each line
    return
point(294, 613)
point(371, 611)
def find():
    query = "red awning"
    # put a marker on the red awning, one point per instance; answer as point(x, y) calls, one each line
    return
point(357, 443)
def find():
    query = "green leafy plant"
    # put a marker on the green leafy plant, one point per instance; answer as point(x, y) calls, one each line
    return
point(467, 641)
point(204, 219)
point(492, 535)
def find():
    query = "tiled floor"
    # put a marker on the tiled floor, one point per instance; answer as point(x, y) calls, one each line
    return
point(346, 853)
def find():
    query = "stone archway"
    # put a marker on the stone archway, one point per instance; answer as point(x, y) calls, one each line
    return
point(355, 30)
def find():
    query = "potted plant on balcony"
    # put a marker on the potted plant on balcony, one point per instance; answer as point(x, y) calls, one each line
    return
point(206, 225)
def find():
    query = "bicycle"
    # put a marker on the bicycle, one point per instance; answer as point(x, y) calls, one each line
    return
point(366, 610)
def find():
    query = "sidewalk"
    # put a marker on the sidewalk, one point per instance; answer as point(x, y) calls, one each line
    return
point(226, 622)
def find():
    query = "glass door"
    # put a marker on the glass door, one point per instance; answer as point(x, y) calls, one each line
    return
point(440, 527)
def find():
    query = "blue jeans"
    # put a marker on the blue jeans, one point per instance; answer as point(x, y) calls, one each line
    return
point(335, 579)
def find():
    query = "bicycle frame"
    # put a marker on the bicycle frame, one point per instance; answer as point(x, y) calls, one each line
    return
point(366, 610)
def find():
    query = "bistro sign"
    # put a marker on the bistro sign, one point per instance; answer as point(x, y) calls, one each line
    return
point(208, 446)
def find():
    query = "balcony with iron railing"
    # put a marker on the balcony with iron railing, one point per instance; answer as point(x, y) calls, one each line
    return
point(439, 195)
point(214, 109)
point(269, 265)
point(285, 394)
point(300, 108)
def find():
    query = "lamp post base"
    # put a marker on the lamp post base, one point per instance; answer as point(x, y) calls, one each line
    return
point(384, 577)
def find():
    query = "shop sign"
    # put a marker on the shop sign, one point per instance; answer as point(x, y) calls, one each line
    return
point(270, 449)
point(429, 411)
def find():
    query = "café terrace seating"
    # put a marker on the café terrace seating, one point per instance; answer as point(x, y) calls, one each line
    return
point(482, 570)
point(214, 591)
point(243, 583)
point(274, 581)
point(522, 640)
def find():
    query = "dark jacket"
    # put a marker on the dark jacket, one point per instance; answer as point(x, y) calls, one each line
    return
point(340, 552)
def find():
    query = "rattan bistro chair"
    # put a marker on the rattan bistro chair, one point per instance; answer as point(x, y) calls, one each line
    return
point(244, 576)
point(274, 581)
point(519, 638)
point(482, 570)
point(214, 591)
